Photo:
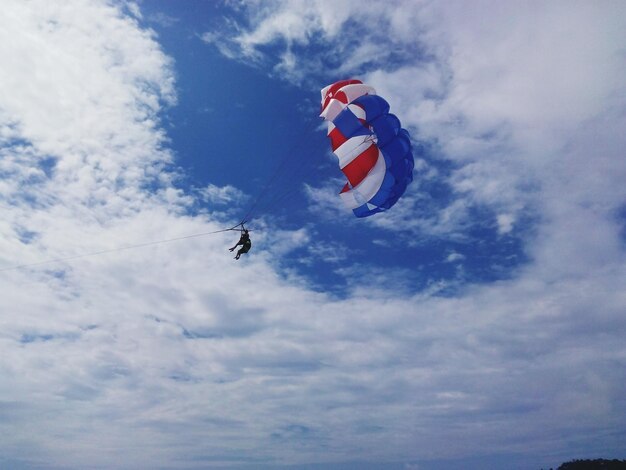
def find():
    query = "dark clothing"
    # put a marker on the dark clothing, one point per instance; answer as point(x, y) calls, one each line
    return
point(245, 243)
point(246, 247)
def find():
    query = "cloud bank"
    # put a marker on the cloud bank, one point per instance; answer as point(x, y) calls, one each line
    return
point(174, 357)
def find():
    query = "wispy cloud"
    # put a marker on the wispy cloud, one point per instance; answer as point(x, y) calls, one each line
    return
point(353, 36)
point(222, 195)
point(174, 356)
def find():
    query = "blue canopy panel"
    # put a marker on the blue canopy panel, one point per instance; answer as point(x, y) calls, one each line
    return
point(374, 153)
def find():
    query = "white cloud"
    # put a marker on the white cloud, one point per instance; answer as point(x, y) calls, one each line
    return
point(328, 252)
point(222, 195)
point(298, 23)
point(454, 256)
point(505, 223)
point(173, 355)
point(325, 200)
point(70, 90)
point(283, 241)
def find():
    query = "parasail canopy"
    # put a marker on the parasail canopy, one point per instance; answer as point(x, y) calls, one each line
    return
point(373, 150)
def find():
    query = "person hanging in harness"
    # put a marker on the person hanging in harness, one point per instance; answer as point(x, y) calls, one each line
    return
point(245, 243)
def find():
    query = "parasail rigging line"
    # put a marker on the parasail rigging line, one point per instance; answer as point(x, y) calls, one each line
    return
point(123, 248)
point(267, 195)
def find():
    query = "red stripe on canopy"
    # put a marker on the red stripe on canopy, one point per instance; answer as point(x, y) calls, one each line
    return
point(334, 88)
point(357, 169)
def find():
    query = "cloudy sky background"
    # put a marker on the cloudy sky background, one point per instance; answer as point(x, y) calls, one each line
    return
point(481, 321)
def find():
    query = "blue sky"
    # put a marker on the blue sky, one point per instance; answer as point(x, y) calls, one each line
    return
point(477, 324)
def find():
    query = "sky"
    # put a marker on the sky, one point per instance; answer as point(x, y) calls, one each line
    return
point(478, 324)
